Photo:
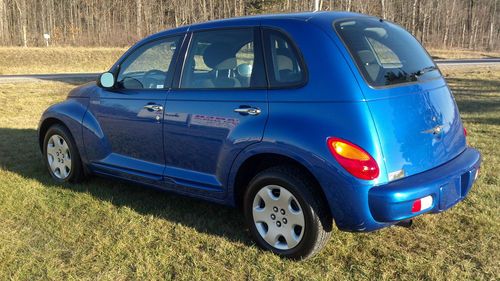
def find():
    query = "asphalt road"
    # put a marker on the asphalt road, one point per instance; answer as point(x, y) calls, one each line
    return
point(63, 77)
point(468, 61)
point(84, 77)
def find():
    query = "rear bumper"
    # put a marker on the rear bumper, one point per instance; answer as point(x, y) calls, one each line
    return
point(447, 184)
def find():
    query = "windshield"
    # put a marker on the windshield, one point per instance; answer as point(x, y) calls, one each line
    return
point(385, 53)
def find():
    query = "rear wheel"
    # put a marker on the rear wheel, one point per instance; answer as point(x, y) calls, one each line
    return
point(285, 215)
point(61, 156)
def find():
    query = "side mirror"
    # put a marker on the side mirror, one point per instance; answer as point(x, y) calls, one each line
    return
point(107, 80)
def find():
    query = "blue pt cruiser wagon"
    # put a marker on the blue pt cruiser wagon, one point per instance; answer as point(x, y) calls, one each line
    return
point(304, 121)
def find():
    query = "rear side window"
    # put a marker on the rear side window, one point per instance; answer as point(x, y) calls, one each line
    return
point(285, 67)
point(385, 53)
point(224, 59)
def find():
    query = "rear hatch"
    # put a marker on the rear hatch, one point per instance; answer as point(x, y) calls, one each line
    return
point(415, 114)
point(418, 131)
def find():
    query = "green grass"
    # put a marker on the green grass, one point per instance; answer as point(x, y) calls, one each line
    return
point(461, 54)
point(106, 230)
point(17, 60)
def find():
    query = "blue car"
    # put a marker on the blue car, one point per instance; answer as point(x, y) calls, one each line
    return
point(304, 121)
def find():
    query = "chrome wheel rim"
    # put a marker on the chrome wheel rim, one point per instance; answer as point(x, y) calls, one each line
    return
point(278, 217)
point(59, 157)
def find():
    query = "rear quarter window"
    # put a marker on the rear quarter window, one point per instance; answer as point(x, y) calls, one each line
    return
point(385, 53)
point(285, 66)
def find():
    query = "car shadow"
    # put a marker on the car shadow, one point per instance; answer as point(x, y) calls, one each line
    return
point(19, 144)
point(471, 86)
point(477, 99)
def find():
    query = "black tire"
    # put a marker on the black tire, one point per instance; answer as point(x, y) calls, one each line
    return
point(76, 174)
point(317, 218)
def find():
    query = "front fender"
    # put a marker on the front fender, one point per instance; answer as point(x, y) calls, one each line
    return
point(70, 113)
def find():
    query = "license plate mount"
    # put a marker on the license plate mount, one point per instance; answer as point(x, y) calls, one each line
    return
point(450, 194)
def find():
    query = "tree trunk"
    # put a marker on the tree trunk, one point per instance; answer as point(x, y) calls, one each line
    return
point(138, 6)
point(469, 20)
point(491, 41)
point(2, 22)
point(21, 8)
point(447, 29)
point(382, 6)
point(414, 18)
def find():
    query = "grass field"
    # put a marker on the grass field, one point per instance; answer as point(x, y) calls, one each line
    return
point(461, 54)
point(16, 60)
point(106, 230)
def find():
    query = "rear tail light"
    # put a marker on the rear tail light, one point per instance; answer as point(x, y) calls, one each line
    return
point(353, 158)
point(421, 204)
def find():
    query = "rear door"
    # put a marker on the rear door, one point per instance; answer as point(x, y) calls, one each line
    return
point(131, 115)
point(219, 108)
point(413, 109)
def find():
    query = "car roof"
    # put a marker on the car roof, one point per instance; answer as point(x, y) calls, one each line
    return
point(256, 19)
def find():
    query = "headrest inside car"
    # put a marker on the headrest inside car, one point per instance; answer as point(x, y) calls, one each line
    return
point(219, 56)
point(367, 57)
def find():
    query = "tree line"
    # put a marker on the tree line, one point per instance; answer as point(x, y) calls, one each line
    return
point(468, 24)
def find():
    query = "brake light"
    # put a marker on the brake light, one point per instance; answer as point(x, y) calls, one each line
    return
point(353, 158)
point(465, 132)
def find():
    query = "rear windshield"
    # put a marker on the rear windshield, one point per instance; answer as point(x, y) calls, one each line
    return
point(385, 53)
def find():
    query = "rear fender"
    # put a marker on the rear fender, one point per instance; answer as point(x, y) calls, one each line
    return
point(317, 166)
point(300, 131)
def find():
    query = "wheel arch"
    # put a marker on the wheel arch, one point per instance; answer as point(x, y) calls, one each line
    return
point(44, 127)
point(69, 114)
point(245, 168)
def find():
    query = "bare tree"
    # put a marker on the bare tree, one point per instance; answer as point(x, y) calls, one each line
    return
point(21, 8)
point(491, 38)
point(138, 11)
point(437, 23)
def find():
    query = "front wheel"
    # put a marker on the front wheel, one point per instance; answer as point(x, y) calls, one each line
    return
point(284, 213)
point(61, 155)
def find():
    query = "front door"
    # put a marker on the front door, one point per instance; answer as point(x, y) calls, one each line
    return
point(131, 114)
point(219, 108)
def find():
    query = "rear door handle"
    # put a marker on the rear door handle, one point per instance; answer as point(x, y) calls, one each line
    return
point(153, 107)
point(247, 110)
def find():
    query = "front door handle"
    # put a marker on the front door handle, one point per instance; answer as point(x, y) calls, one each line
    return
point(153, 107)
point(248, 110)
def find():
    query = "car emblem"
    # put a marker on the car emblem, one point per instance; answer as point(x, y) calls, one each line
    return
point(436, 130)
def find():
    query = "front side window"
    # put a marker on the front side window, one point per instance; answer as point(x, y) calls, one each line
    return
point(149, 66)
point(385, 53)
point(227, 58)
point(284, 65)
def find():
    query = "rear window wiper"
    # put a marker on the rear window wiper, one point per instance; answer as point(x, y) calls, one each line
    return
point(425, 70)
